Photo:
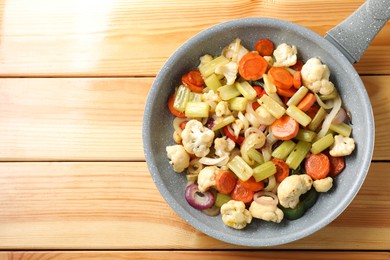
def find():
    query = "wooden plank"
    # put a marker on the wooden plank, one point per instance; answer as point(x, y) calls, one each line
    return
point(101, 119)
point(117, 206)
point(195, 255)
point(135, 38)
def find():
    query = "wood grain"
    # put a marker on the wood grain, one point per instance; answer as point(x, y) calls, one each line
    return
point(195, 255)
point(117, 206)
point(135, 38)
point(89, 119)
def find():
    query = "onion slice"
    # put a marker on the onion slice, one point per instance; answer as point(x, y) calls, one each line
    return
point(197, 199)
point(265, 198)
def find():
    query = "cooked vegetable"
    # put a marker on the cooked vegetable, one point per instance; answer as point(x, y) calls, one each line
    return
point(240, 168)
point(281, 77)
point(252, 184)
point(272, 106)
point(317, 166)
point(263, 171)
point(209, 68)
point(265, 47)
point(282, 169)
point(307, 102)
point(197, 199)
point(298, 154)
point(285, 128)
point(197, 109)
point(298, 115)
point(225, 181)
point(252, 66)
point(283, 150)
point(322, 144)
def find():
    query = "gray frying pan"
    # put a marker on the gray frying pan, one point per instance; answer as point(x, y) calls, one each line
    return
point(341, 47)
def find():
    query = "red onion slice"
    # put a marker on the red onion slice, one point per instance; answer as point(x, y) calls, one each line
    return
point(197, 199)
point(265, 198)
point(340, 116)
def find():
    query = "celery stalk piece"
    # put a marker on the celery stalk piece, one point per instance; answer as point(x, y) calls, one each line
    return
point(242, 170)
point(182, 96)
point(298, 96)
point(264, 171)
point(317, 120)
point(298, 115)
point(246, 90)
point(238, 103)
point(212, 82)
point(195, 97)
point(283, 150)
point(272, 106)
point(268, 86)
point(221, 199)
point(305, 135)
point(197, 109)
point(256, 155)
point(298, 154)
point(322, 143)
point(228, 92)
point(209, 68)
point(341, 128)
point(224, 122)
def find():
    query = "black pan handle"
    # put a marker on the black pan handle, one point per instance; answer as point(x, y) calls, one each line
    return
point(354, 34)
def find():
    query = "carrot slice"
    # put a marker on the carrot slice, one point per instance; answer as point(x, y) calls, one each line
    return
point(174, 112)
point(185, 79)
point(252, 184)
point(265, 47)
point(241, 193)
point(297, 66)
point(297, 79)
point(337, 165)
point(317, 166)
point(225, 181)
point(285, 128)
point(252, 66)
point(281, 77)
point(307, 102)
point(195, 78)
point(282, 169)
point(286, 92)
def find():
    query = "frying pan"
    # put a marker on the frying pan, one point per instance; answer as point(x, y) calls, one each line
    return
point(341, 47)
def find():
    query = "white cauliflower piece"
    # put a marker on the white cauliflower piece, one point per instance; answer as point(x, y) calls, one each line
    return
point(267, 212)
point(178, 156)
point(212, 99)
point(285, 55)
point(229, 71)
point(223, 146)
point(315, 76)
point(206, 178)
point(222, 109)
point(323, 185)
point(237, 126)
point(205, 59)
point(234, 51)
point(197, 138)
point(291, 188)
point(342, 146)
point(235, 215)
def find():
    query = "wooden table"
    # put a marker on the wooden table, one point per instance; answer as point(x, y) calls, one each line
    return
point(73, 180)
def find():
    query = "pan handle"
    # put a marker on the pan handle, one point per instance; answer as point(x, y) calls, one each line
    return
point(355, 33)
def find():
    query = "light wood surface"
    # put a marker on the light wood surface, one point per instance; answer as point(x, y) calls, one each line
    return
point(74, 77)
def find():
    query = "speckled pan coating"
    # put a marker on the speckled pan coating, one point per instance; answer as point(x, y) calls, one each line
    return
point(157, 129)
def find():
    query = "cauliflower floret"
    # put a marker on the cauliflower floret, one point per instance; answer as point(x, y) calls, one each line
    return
point(342, 146)
point(237, 126)
point(235, 215)
point(315, 76)
point(323, 185)
point(178, 156)
point(229, 70)
point(285, 55)
point(212, 99)
point(197, 138)
point(205, 59)
point(269, 212)
point(223, 146)
point(222, 109)
point(291, 188)
point(206, 178)
point(234, 51)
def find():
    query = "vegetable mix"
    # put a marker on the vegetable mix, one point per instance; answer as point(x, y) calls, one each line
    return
point(259, 133)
